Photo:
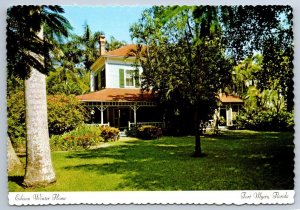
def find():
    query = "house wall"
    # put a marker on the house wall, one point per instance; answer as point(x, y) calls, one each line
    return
point(229, 112)
point(112, 67)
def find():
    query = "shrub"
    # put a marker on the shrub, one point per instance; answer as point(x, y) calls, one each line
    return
point(110, 133)
point(65, 113)
point(149, 132)
point(132, 132)
point(266, 120)
point(222, 121)
point(82, 137)
point(16, 119)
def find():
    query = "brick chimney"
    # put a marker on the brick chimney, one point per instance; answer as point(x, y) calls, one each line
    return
point(102, 42)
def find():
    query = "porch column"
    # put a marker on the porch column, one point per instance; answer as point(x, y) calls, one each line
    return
point(134, 113)
point(134, 108)
point(102, 108)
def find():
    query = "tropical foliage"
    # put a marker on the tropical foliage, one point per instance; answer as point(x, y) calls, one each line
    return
point(72, 60)
point(268, 30)
point(187, 54)
point(28, 57)
point(65, 113)
point(23, 23)
point(264, 108)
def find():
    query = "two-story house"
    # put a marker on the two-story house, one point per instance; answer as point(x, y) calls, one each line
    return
point(115, 96)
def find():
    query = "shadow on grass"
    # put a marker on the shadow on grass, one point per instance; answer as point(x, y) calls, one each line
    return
point(257, 161)
point(17, 179)
point(236, 160)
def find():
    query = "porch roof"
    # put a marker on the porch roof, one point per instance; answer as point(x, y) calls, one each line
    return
point(230, 99)
point(116, 95)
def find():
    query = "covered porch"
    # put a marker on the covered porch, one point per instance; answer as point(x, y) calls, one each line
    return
point(122, 108)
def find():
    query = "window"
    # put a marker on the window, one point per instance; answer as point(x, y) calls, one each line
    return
point(129, 78)
point(132, 78)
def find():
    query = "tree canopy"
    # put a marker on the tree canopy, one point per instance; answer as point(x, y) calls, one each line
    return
point(185, 59)
point(23, 43)
point(188, 52)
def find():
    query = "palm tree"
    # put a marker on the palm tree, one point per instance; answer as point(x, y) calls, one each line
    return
point(28, 56)
point(90, 42)
point(73, 63)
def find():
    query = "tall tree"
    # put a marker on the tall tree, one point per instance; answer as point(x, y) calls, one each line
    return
point(28, 58)
point(73, 62)
point(69, 75)
point(244, 74)
point(184, 60)
point(268, 30)
point(90, 46)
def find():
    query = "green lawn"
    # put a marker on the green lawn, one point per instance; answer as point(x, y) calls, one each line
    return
point(236, 160)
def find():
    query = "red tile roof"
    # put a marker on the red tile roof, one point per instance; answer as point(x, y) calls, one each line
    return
point(116, 94)
point(122, 51)
point(230, 99)
point(125, 51)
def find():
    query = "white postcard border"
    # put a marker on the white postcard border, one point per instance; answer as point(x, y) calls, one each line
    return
point(154, 197)
point(96, 196)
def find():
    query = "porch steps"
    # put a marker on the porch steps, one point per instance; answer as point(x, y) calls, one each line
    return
point(122, 134)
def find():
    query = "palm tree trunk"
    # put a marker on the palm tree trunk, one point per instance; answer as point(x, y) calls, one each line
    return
point(39, 170)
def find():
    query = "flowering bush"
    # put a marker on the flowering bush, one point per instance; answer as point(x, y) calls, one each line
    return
point(65, 113)
point(82, 137)
point(110, 133)
point(149, 132)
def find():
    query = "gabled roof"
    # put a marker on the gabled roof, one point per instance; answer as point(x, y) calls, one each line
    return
point(230, 99)
point(116, 94)
point(125, 51)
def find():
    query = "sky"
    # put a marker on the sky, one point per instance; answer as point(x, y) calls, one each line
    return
point(113, 21)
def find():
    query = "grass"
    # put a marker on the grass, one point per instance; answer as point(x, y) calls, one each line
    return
point(236, 160)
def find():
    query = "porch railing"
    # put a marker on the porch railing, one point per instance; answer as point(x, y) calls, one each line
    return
point(138, 124)
point(99, 124)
